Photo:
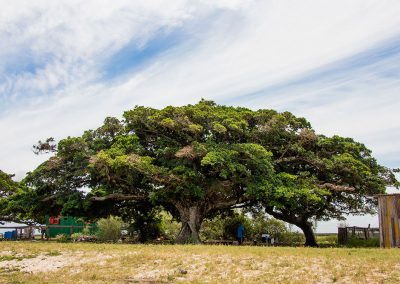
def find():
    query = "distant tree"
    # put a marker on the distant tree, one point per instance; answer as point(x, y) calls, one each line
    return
point(7, 185)
point(13, 205)
point(7, 188)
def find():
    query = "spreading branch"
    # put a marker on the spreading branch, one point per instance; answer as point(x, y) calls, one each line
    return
point(339, 188)
point(118, 197)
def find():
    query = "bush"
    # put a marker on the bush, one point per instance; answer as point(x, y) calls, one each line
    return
point(356, 242)
point(76, 236)
point(109, 229)
point(62, 238)
point(231, 224)
point(212, 229)
point(87, 231)
point(327, 240)
point(260, 224)
point(292, 238)
point(168, 226)
point(225, 226)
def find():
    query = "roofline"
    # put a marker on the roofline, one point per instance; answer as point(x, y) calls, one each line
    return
point(387, 194)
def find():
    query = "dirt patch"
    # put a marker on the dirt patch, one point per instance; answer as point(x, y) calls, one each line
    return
point(45, 262)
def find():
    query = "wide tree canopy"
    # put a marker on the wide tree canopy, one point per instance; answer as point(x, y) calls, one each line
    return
point(194, 160)
point(197, 160)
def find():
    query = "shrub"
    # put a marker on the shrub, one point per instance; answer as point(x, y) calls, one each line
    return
point(356, 242)
point(168, 226)
point(76, 236)
point(225, 226)
point(86, 230)
point(292, 238)
point(231, 224)
point(62, 238)
point(261, 224)
point(109, 229)
point(327, 240)
point(212, 229)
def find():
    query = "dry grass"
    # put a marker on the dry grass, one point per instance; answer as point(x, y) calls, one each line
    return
point(41, 262)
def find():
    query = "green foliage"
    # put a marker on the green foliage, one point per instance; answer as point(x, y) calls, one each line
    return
point(76, 236)
point(205, 156)
point(7, 185)
point(86, 231)
point(260, 224)
point(62, 238)
point(169, 227)
point(328, 240)
point(109, 229)
point(356, 242)
point(291, 238)
point(7, 188)
point(213, 229)
point(231, 224)
point(225, 226)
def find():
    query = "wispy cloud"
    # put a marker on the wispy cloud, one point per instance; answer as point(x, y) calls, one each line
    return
point(357, 96)
point(65, 65)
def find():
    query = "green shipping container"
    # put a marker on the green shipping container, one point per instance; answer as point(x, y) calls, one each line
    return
point(66, 225)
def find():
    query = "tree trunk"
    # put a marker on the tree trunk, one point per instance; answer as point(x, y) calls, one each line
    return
point(306, 227)
point(191, 219)
point(299, 221)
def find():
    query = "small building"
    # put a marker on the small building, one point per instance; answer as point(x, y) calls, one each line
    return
point(361, 233)
point(17, 231)
point(389, 220)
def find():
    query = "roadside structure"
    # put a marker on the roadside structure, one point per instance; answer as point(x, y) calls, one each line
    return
point(389, 220)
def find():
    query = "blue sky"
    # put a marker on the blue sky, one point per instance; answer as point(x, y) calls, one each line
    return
point(65, 65)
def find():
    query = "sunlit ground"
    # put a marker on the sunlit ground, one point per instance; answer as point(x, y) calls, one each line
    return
point(42, 262)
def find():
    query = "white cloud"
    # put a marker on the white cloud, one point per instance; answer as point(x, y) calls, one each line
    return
point(230, 48)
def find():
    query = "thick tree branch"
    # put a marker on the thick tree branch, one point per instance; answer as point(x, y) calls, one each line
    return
point(335, 187)
point(315, 164)
point(118, 197)
point(48, 198)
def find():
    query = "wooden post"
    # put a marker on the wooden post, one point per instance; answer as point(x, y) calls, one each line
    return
point(342, 236)
point(389, 220)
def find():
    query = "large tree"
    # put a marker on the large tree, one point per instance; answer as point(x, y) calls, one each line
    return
point(197, 160)
point(321, 177)
point(194, 160)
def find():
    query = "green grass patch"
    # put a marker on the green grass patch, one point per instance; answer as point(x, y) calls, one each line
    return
point(359, 243)
point(15, 257)
point(53, 253)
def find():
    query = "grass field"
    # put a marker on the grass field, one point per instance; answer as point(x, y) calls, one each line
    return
point(41, 262)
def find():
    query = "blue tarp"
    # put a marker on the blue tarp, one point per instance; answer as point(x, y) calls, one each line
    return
point(10, 235)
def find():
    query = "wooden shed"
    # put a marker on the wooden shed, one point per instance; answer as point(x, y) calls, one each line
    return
point(389, 220)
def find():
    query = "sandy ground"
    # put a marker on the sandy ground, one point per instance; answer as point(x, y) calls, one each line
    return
point(103, 263)
point(46, 262)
